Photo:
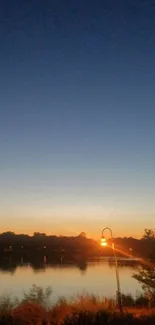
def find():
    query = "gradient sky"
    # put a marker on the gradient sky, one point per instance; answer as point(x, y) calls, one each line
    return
point(77, 116)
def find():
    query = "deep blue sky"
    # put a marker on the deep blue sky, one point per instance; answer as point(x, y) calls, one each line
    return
point(77, 115)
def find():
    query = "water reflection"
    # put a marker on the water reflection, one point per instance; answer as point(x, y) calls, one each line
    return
point(66, 276)
point(9, 264)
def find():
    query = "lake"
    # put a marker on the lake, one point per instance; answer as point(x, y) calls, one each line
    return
point(94, 277)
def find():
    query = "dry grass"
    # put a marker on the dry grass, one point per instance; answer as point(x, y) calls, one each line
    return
point(30, 313)
point(65, 308)
point(35, 309)
point(32, 309)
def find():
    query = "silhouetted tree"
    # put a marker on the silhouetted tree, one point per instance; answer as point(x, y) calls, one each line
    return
point(149, 234)
point(146, 276)
point(82, 234)
point(8, 233)
point(39, 234)
point(11, 243)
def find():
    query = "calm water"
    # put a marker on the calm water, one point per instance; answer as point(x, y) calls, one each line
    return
point(97, 277)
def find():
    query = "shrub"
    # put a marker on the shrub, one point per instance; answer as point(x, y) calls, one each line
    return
point(7, 304)
point(29, 313)
point(128, 300)
point(38, 295)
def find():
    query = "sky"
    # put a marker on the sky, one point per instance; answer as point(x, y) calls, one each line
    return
point(77, 116)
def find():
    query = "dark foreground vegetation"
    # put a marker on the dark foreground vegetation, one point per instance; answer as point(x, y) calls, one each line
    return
point(36, 308)
point(84, 318)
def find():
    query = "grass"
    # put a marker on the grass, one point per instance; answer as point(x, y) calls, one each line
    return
point(35, 308)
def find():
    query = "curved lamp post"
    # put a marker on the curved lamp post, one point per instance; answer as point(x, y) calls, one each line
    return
point(104, 243)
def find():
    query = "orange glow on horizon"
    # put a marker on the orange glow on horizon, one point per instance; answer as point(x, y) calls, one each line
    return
point(58, 230)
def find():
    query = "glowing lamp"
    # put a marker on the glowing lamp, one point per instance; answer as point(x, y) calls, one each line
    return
point(103, 241)
point(103, 244)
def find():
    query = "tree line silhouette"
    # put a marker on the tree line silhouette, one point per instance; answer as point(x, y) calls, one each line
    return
point(40, 243)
